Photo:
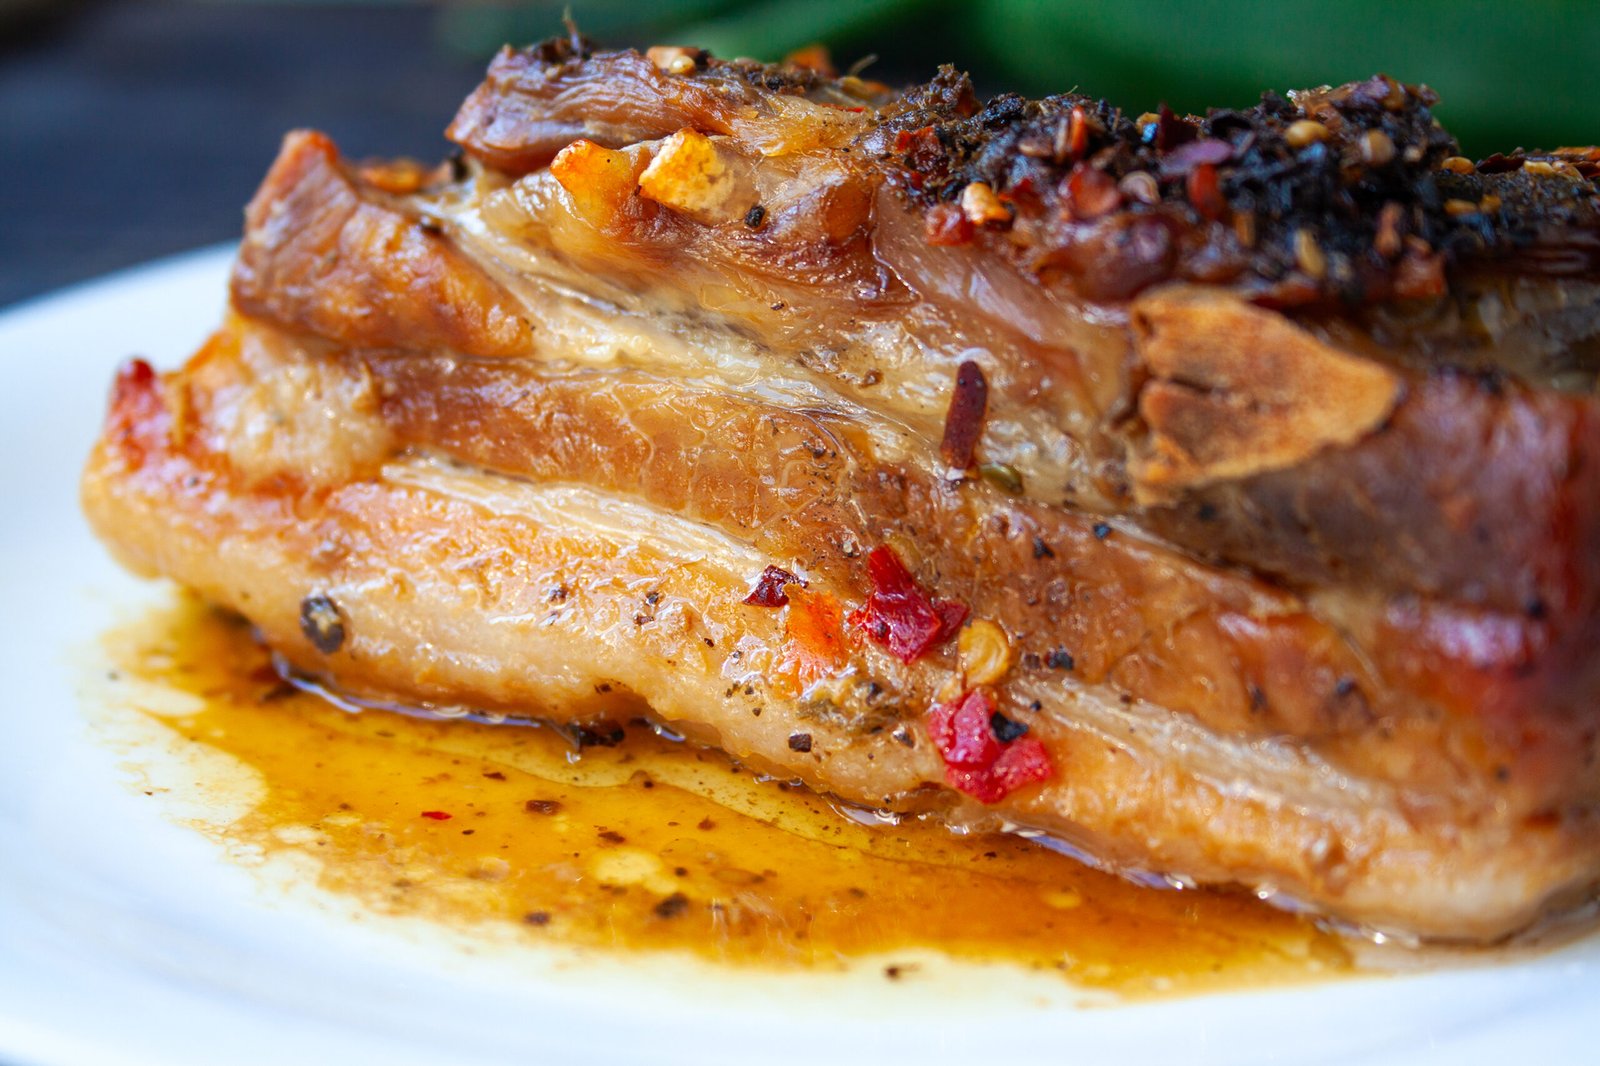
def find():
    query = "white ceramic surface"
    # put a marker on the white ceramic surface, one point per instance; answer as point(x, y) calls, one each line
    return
point(128, 938)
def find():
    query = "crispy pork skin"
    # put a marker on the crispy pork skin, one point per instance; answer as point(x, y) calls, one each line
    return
point(1220, 496)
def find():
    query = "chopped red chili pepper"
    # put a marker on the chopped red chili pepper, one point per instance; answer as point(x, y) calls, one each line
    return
point(899, 615)
point(947, 225)
point(1169, 131)
point(963, 422)
point(769, 588)
point(922, 148)
point(976, 761)
point(1023, 762)
point(961, 733)
point(1077, 132)
point(814, 648)
point(1092, 192)
point(1205, 191)
point(438, 816)
point(1204, 152)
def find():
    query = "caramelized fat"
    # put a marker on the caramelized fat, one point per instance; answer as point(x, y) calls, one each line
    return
point(656, 845)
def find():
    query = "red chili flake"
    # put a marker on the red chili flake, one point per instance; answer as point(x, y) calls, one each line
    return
point(138, 418)
point(963, 422)
point(961, 734)
point(769, 588)
point(813, 639)
point(1386, 242)
point(1077, 132)
point(1092, 192)
point(438, 816)
point(1022, 763)
point(1204, 152)
point(1205, 192)
point(1169, 131)
point(137, 373)
point(946, 225)
point(1419, 275)
point(922, 149)
point(1500, 163)
point(976, 761)
point(899, 615)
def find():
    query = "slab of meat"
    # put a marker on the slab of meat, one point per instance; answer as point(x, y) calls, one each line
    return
point(1218, 495)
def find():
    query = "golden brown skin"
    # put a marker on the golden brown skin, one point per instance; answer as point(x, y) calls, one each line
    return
point(314, 249)
point(1286, 604)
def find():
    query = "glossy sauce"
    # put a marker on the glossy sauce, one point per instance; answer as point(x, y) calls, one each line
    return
point(655, 845)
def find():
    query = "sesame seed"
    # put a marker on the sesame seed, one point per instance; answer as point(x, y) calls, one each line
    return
point(1305, 132)
point(1244, 228)
point(1376, 148)
point(1140, 186)
point(1387, 240)
point(1308, 254)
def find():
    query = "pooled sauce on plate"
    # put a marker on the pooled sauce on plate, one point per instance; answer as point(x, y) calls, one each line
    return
point(653, 844)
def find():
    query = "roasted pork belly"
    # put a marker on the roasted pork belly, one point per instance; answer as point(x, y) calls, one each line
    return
point(1219, 496)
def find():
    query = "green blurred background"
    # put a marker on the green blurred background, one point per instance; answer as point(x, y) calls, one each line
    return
point(134, 128)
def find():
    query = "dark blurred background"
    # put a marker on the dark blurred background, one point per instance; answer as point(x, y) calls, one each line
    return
point(133, 129)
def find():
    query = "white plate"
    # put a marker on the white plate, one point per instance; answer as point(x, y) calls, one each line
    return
point(125, 937)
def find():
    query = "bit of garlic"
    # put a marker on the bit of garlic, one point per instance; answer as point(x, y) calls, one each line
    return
point(981, 205)
point(674, 60)
point(690, 175)
point(598, 179)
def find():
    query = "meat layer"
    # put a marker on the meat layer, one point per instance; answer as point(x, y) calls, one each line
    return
point(724, 394)
point(591, 603)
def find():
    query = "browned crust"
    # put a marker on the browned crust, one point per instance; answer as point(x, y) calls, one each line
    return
point(535, 101)
point(316, 245)
point(1375, 206)
point(1467, 487)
